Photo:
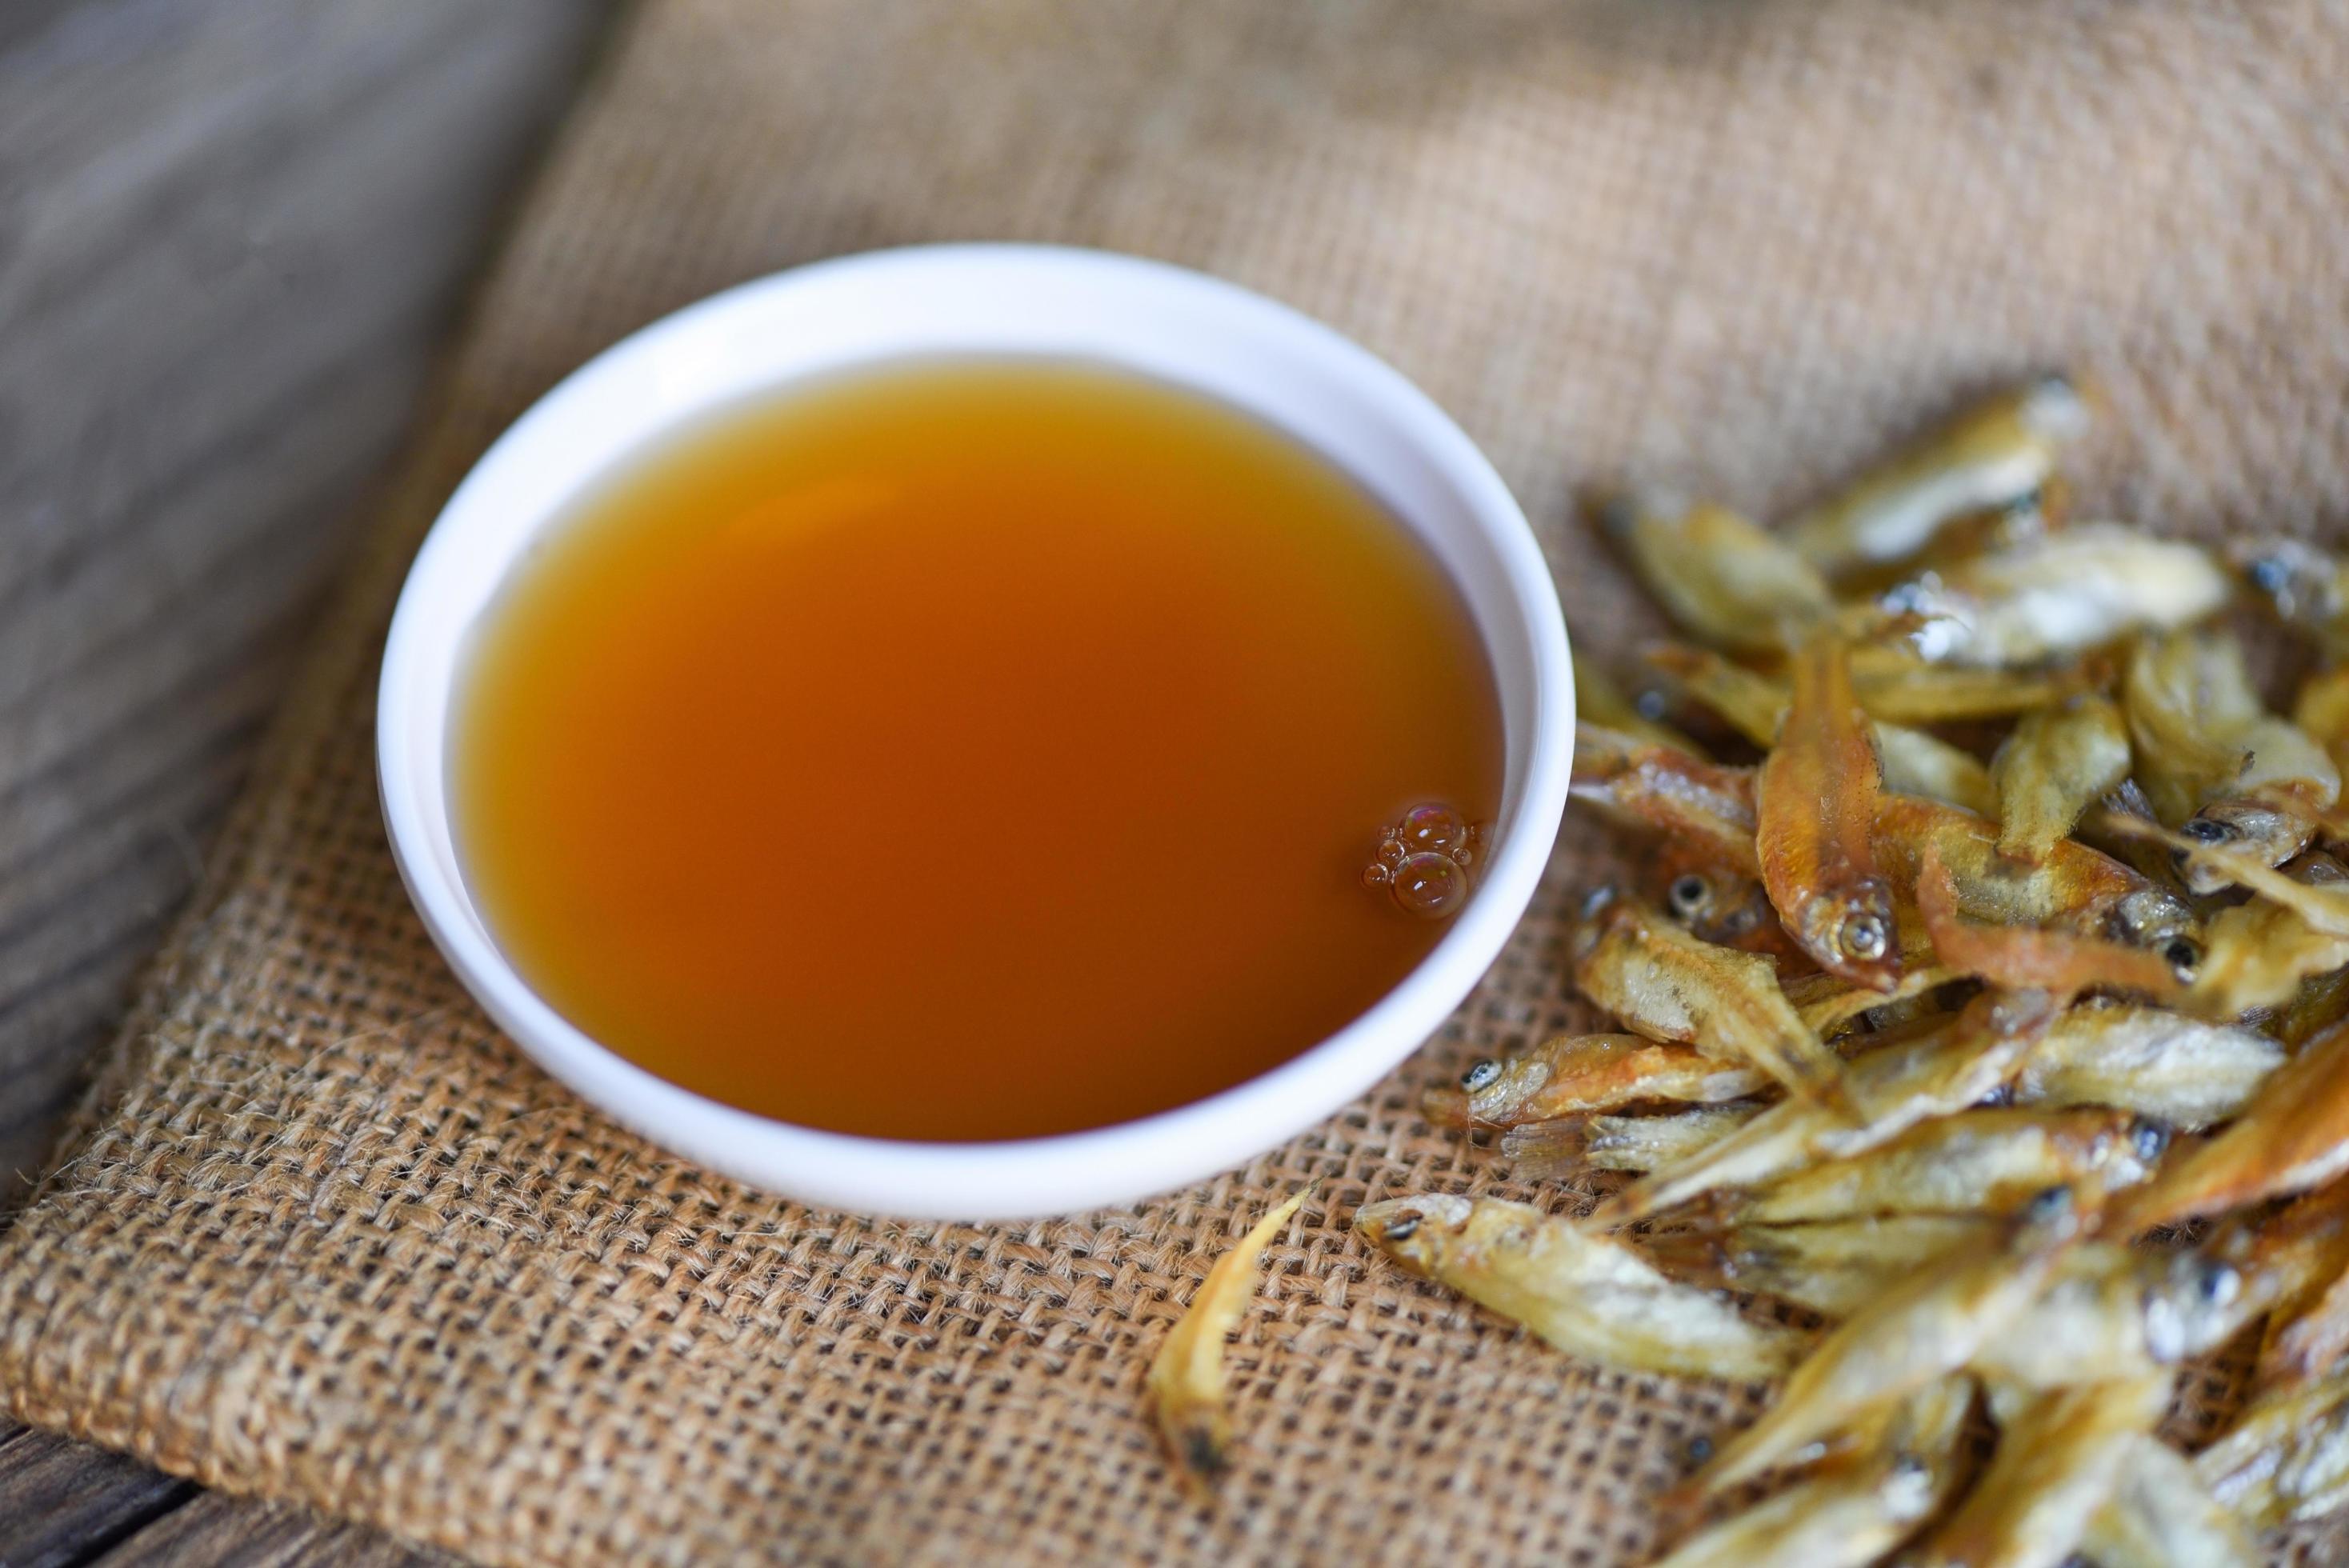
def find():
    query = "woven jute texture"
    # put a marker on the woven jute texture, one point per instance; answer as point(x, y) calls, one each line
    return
point(321, 1233)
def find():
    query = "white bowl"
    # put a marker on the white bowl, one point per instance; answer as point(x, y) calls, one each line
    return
point(1177, 325)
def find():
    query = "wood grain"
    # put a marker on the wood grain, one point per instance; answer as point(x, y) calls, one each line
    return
point(233, 235)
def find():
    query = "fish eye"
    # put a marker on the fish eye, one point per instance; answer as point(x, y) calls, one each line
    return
point(2208, 831)
point(1480, 1074)
point(2148, 1137)
point(2269, 573)
point(1650, 704)
point(1400, 1227)
point(2049, 1204)
point(1689, 894)
point(2218, 1283)
point(1863, 937)
point(1700, 1449)
point(2184, 958)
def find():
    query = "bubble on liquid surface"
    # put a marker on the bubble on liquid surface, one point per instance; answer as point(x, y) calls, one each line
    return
point(1391, 851)
point(1429, 885)
point(1376, 874)
point(1433, 827)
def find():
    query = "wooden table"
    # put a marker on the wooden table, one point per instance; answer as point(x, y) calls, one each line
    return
point(233, 235)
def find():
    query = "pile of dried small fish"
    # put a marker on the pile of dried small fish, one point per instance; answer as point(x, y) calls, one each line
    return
point(1996, 1020)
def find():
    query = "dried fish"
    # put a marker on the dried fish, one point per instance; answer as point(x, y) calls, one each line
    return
point(1817, 793)
point(1577, 1073)
point(2073, 888)
point(2182, 1071)
point(2321, 1001)
point(1894, 684)
point(2023, 957)
point(1896, 1087)
point(2160, 1515)
point(1849, 1514)
point(1186, 1377)
point(1600, 701)
point(2059, 595)
point(2308, 1330)
point(2259, 954)
point(2057, 1459)
point(2293, 1136)
point(2307, 588)
point(1666, 985)
point(1827, 1004)
point(1662, 790)
point(1620, 1142)
point(1957, 1191)
point(1723, 906)
point(2285, 1457)
point(1915, 761)
point(1587, 1294)
point(1835, 1267)
point(1988, 1162)
point(2215, 762)
point(1722, 578)
point(2058, 762)
point(1926, 1326)
point(2320, 710)
point(1991, 456)
point(2109, 1312)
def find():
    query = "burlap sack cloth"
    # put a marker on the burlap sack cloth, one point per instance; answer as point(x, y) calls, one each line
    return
point(321, 1233)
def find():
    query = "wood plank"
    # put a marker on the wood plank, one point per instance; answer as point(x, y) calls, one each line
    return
point(214, 1530)
point(61, 1502)
point(232, 235)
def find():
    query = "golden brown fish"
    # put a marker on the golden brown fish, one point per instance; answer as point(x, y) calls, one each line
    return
point(2304, 1248)
point(2108, 1311)
point(2059, 1457)
point(1850, 1513)
point(2073, 888)
point(1571, 1074)
point(2054, 597)
point(1666, 792)
point(1600, 701)
point(2321, 711)
point(1817, 796)
point(1915, 762)
point(2286, 1456)
point(2058, 761)
point(1723, 906)
point(1666, 985)
point(2160, 1515)
point(1926, 1326)
point(2023, 957)
point(1991, 456)
point(1186, 1377)
point(2321, 1001)
point(1835, 1267)
point(2306, 587)
point(1552, 1149)
point(1588, 1294)
point(1724, 580)
point(2293, 1136)
point(2214, 762)
point(1981, 1161)
point(2178, 1071)
point(1936, 1073)
point(1828, 1005)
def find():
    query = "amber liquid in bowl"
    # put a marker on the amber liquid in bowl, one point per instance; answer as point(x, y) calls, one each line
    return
point(968, 749)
